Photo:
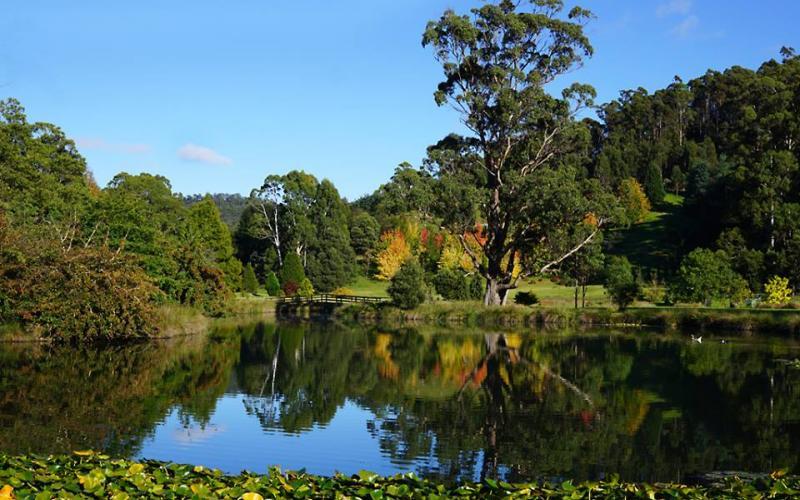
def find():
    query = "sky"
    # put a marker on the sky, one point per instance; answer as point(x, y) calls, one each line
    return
point(217, 95)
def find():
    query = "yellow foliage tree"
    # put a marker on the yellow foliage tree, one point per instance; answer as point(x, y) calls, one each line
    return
point(633, 200)
point(395, 251)
point(778, 291)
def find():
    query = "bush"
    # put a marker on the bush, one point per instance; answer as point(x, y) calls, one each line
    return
point(249, 280)
point(407, 288)
point(306, 289)
point(290, 288)
point(526, 298)
point(621, 284)
point(455, 285)
point(778, 291)
point(79, 295)
point(272, 285)
point(705, 275)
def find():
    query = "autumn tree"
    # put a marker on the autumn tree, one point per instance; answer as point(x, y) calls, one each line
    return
point(394, 253)
point(518, 172)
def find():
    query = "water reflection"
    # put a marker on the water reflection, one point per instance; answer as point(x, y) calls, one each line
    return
point(443, 403)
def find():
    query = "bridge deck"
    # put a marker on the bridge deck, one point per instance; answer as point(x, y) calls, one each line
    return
point(327, 298)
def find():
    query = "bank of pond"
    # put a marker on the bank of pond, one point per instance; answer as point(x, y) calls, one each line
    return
point(452, 405)
point(777, 322)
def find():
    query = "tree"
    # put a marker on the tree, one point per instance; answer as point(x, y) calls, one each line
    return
point(407, 288)
point(778, 291)
point(705, 275)
point(394, 253)
point(518, 173)
point(249, 280)
point(364, 234)
point(653, 183)
point(331, 260)
point(292, 271)
point(633, 200)
point(272, 285)
point(621, 284)
point(208, 231)
point(583, 266)
point(677, 179)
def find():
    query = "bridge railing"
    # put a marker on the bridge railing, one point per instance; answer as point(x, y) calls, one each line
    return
point(327, 298)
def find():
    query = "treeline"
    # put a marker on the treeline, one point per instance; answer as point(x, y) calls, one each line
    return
point(80, 262)
point(728, 142)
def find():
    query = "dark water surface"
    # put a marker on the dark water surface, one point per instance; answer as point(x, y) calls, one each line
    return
point(443, 403)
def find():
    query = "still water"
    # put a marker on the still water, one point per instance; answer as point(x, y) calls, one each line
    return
point(443, 403)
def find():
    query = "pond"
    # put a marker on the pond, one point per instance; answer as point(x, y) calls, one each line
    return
point(444, 403)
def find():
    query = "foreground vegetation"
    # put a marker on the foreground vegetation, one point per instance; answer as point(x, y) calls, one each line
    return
point(89, 475)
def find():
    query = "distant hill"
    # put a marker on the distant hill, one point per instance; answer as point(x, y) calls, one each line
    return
point(230, 206)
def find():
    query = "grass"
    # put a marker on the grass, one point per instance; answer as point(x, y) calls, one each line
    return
point(651, 245)
point(369, 287)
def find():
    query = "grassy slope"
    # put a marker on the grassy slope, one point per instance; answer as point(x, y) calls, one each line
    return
point(652, 244)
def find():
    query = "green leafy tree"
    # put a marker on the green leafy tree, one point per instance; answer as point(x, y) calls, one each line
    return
point(249, 280)
point(705, 275)
point(364, 237)
point(272, 285)
point(211, 234)
point(518, 172)
point(407, 288)
point(621, 283)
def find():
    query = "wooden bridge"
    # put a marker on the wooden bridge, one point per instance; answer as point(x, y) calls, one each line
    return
point(327, 298)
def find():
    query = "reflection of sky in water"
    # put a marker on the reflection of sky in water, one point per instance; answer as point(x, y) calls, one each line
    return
point(233, 439)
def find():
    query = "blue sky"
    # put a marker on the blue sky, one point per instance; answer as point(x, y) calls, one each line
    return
point(217, 95)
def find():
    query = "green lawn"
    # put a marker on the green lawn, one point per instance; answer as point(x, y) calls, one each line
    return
point(368, 287)
point(550, 294)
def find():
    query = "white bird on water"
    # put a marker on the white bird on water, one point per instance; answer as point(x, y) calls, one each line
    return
point(699, 340)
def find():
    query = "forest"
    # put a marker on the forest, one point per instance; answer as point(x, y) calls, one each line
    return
point(543, 187)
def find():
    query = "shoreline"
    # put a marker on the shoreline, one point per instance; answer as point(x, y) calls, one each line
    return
point(741, 321)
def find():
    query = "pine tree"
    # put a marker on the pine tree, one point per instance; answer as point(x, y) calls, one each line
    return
point(272, 285)
point(653, 183)
point(249, 280)
point(331, 260)
point(292, 271)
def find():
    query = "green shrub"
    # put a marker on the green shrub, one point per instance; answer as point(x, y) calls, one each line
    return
point(526, 299)
point(272, 285)
point(249, 280)
point(621, 284)
point(306, 289)
point(705, 275)
point(407, 288)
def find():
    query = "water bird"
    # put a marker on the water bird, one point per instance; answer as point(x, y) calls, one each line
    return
point(699, 340)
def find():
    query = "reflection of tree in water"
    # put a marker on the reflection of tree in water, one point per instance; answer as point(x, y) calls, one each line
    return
point(62, 399)
point(582, 407)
